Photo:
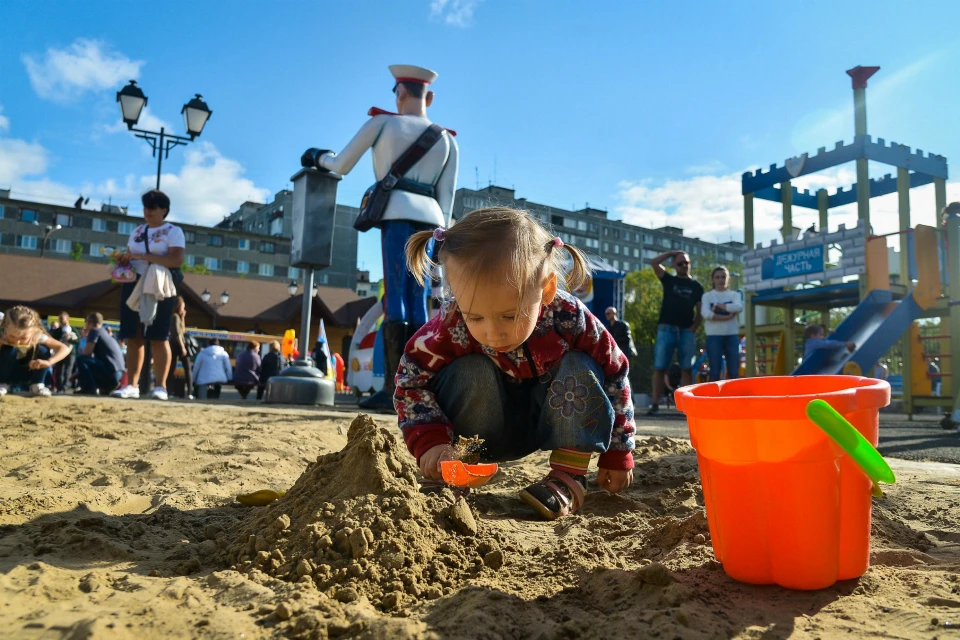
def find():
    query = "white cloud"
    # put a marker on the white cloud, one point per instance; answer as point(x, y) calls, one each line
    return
point(86, 65)
point(711, 207)
point(457, 13)
point(707, 168)
point(147, 122)
point(19, 158)
point(4, 121)
point(207, 187)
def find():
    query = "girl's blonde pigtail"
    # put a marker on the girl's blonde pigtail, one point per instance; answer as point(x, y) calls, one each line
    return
point(580, 271)
point(418, 262)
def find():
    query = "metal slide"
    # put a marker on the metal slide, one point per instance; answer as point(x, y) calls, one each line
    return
point(874, 326)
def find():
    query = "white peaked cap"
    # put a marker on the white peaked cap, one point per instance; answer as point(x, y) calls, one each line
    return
point(412, 73)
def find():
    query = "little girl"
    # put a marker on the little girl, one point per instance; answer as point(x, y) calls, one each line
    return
point(25, 352)
point(720, 308)
point(515, 360)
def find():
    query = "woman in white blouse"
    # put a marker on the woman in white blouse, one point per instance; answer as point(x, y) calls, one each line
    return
point(158, 242)
point(721, 309)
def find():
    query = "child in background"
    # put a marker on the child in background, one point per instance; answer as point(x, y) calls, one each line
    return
point(27, 353)
point(814, 339)
point(514, 360)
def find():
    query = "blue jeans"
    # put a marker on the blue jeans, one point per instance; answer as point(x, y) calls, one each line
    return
point(96, 375)
point(405, 299)
point(670, 339)
point(723, 348)
point(566, 407)
point(16, 372)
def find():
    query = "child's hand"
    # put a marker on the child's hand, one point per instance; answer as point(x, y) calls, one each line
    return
point(614, 480)
point(430, 461)
point(851, 346)
point(39, 364)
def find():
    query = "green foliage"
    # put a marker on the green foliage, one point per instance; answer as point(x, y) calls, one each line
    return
point(200, 268)
point(77, 251)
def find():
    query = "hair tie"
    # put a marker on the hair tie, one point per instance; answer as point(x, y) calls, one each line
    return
point(438, 234)
point(556, 243)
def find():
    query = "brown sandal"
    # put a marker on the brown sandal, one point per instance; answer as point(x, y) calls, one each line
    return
point(557, 495)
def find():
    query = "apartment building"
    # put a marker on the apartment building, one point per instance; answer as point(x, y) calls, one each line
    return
point(625, 246)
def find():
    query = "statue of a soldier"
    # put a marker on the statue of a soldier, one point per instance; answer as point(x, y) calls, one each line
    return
point(415, 163)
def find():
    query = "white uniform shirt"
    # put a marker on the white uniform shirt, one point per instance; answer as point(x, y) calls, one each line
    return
point(390, 136)
point(162, 238)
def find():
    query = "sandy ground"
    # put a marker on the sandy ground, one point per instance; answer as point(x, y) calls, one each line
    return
point(118, 520)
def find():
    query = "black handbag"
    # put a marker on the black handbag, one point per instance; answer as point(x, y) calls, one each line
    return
point(375, 200)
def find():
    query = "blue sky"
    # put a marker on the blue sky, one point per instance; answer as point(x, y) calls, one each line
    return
point(650, 110)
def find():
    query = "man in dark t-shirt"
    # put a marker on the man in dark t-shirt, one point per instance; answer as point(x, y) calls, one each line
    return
point(679, 320)
point(101, 365)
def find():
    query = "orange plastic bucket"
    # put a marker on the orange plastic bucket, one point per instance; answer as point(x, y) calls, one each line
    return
point(785, 504)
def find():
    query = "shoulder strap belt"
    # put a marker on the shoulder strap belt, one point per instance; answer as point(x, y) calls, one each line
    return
point(412, 155)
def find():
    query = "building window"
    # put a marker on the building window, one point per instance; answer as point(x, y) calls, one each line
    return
point(728, 255)
point(190, 261)
point(593, 227)
point(1, 211)
point(96, 250)
point(29, 215)
point(268, 247)
point(276, 227)
point(294, 273)
point(606, 231)
point(212, 263)
point(190, 236)
point(27, 242)
point(606, 246)
point(649, 254)
point(126, 228)
point(62, 246)
point(63, 219)
point(244, 244)
point(616, 248)
point(593, 243)
point(626, 266)
point(266, 270)
point(616, 233)
point(324, 278)
point(581, 225)
point(215, 241)
point(99, 224)
point(616, 264)
point(243, 267)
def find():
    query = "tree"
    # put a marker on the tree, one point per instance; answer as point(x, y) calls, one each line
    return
point(77, 251)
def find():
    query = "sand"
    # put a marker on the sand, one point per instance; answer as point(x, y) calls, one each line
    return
point(118, 520)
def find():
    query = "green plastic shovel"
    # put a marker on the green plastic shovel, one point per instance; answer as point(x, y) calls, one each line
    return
point(853, 442)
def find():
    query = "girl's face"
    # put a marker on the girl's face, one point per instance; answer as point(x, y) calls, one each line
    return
point(154, 216)
point(720, 280)
point(491, 310)
point(20, 337)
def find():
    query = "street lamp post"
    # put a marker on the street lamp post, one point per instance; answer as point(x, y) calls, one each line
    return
point(49, 229)
point(224, 299)
point(195, 115)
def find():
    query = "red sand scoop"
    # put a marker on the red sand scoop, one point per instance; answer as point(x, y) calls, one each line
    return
point(457, 474)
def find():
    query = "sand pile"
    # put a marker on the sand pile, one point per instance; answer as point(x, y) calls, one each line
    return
point(355, 524)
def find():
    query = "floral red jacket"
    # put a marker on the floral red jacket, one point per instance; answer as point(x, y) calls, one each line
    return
point(564, 325)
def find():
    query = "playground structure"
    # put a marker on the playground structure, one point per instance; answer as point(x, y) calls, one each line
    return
point(798, 274)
